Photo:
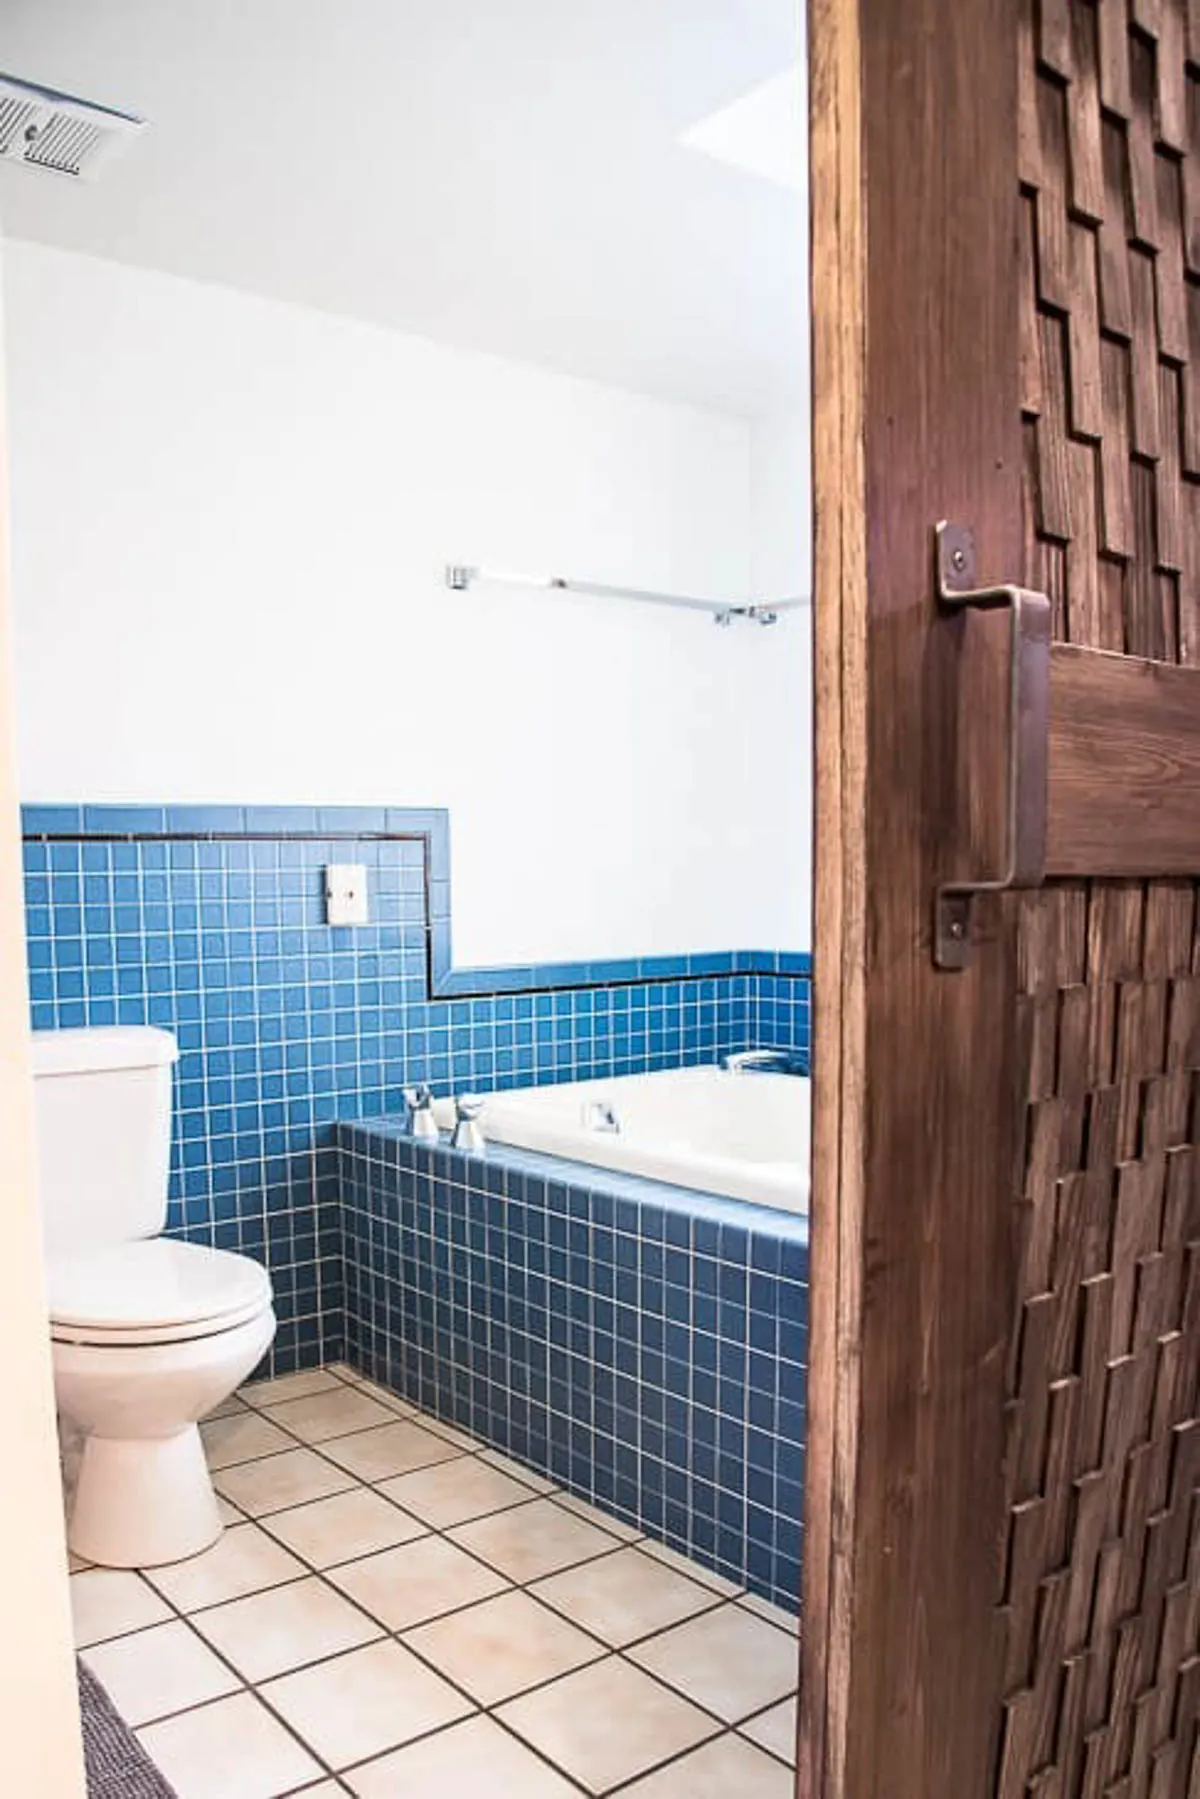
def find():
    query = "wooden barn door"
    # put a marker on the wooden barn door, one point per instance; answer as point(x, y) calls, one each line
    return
point(1002, 1548)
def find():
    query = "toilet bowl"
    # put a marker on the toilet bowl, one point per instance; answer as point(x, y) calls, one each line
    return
point(147, 1338)
point(148, 1334)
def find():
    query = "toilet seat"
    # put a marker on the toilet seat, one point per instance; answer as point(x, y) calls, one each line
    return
point(156, 1290)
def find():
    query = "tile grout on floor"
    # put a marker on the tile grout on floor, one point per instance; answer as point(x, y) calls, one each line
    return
point(714, 1727)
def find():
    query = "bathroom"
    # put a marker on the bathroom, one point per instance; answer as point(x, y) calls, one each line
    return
point(476, 759)
point(411, 568)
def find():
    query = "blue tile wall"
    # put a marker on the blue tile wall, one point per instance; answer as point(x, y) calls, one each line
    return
point(210, 921)
point(643, 1345)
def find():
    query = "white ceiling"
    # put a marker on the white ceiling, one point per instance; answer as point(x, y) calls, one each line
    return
point(504, 174)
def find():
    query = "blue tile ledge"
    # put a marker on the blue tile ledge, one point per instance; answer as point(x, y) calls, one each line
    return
point(493, 1169)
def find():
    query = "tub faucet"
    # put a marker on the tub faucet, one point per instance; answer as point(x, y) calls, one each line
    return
point(763, 1061)
point(419, 1116)
point(468, 1132)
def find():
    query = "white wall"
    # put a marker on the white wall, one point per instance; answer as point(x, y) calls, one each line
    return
point(39, 1712)
point(230, 518)
point(781, 567)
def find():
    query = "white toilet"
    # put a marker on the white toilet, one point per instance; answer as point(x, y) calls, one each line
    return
point(148, 1334)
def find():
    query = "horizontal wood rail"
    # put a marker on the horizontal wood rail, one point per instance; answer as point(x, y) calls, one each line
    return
point(1124, 795)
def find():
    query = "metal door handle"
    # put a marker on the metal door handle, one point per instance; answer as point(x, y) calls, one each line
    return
point(1028, 740)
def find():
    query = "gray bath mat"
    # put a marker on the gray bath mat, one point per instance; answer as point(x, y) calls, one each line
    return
point(117, 1765)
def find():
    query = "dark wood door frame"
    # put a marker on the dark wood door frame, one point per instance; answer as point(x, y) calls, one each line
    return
point(916, 419)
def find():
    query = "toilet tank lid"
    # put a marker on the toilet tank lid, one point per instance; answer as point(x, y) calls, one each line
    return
point(93, 1049)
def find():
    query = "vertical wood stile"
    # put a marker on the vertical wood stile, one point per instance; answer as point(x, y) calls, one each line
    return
point(915, 195)
point(838, 301)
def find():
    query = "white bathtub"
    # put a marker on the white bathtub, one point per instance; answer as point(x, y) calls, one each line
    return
point(745, 1135)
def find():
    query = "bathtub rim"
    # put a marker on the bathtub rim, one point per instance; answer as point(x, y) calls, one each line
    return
point(559, 1140)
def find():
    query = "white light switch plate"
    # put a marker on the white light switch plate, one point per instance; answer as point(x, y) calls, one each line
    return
point(346, 893)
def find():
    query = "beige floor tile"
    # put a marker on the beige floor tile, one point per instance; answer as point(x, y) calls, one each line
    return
point(280, 1481)
point(526, 1476)
point(234, 1749)
point(452, 1433)
point(384, 1395)
point(271, 1633)
point(606, 1723)
point(290, 1386)
point(728, 1660)
point(157, 1671)
point(726, 1769)
point(671, 1558)
point(453, 1492)
point(774, 1614)
point(421, 1580)
point(244, 1560)
point(775, 1730)
point(625, 1596)
point(344, 1527)
point(334, 1414)
point(473, 1760)
point(617, 1527)
point(389, 1449)
point(107, 1602)
point(532, 1540)
point(360, 1704)
point(502, 1647)
point(227, 1512)
point(241, 1437)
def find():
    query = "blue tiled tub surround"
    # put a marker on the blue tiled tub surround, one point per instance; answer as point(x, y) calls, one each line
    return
point(645, 1345)
point(210, 922)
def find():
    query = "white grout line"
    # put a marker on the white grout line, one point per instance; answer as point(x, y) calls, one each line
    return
point(702, 1577)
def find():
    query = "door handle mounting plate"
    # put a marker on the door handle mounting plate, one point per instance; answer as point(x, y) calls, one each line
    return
point(1028, 739)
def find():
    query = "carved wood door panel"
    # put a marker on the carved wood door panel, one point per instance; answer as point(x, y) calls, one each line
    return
point(1002, 1546)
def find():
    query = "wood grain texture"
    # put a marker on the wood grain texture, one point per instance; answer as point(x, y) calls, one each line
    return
point(1124, 766)
point(1101, 1602)
point(918, 1119)
point(1003, 1505)
point(840, 606)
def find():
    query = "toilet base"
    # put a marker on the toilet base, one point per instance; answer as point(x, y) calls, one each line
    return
point(140, 1502)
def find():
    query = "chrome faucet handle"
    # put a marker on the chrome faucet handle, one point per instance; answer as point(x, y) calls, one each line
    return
point(601, 1115)
point(468, 1133)
point(419, 1118)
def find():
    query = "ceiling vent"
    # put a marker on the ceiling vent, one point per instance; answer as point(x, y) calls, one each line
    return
point(47, 130)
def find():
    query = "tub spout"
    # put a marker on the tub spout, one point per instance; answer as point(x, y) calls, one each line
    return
point(763, 1061)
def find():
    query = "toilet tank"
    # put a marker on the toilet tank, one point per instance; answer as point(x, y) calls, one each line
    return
point(102, 1105)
